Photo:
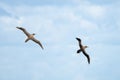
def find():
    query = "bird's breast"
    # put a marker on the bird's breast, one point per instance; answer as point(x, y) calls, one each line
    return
point(31, 36)
point(82, 48)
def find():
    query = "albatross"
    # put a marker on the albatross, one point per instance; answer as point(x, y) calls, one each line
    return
point(30, 36)
point(82, 49)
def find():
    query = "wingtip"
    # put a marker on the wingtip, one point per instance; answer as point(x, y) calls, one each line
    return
point(42, 47)
point(78, 39)
point(17, 27)
point(88, 61)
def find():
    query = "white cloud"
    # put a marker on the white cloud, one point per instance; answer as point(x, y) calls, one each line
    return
point(10, 10)
point(95, 11)
point(57, 28)
point(7, 23)
point(56, 23)
point(88, 25)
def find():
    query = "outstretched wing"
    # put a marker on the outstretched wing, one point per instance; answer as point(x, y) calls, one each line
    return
point(88, 58)
point(24, 30)
point(38, 42)
point(79, 40)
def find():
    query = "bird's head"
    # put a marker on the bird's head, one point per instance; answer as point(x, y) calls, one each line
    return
point(33, 34)
point(86, 46)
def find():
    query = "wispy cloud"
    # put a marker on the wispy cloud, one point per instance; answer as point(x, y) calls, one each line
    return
point(54, 20)
point(56, 27)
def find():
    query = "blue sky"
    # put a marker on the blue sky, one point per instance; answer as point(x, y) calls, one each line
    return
point(57, 23)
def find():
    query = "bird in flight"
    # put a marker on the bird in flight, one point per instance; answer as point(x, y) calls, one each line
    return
point(30, 36)
point(82, 49)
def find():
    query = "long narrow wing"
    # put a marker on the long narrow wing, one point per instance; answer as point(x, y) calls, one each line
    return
point(24, 30)
point(38, 42)
point(79, 40)
point(88, 58)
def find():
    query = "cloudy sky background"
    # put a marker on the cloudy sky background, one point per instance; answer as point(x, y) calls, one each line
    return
point(57, 23)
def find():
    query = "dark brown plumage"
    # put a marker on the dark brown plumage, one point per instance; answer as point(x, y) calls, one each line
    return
point(82, 49)
point(30, 36)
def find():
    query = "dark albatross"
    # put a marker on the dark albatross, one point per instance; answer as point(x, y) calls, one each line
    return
point(30, 36)
point(82, 49)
